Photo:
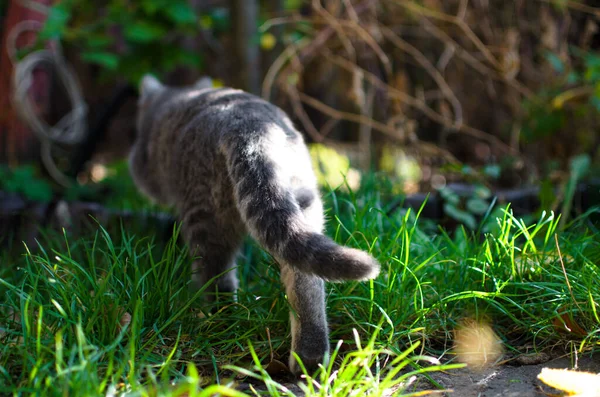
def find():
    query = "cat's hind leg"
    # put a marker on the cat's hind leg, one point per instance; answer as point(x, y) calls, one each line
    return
point(306, 295)
point(310, 333)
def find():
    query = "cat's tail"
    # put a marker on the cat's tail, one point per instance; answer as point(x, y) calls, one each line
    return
point(274, 217)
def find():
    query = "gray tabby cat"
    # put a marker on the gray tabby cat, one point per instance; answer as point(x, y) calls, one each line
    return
point(231, 164)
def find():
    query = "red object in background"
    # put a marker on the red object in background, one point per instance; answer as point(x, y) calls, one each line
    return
point(17, 142)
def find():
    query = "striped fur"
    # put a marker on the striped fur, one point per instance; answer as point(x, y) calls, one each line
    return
point(232, 164)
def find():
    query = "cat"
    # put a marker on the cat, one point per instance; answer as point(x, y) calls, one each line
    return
point(231, 164)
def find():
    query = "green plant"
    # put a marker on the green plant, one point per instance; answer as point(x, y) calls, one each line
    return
point(476, 211)
point(570, 106)
point(113, 313)
point(126, 39)
point(25, 181)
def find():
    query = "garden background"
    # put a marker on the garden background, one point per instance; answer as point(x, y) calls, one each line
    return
point(455, 140)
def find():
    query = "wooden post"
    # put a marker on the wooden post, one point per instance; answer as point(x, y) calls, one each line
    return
point(18, 143)
point(244, 17)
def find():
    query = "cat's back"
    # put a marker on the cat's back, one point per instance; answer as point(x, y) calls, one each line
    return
point(215, 112)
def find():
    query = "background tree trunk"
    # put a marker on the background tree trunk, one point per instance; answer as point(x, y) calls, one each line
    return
point(244, 18)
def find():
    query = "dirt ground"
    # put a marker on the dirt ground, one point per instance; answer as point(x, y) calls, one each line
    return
point(509, 380)
point(501, 381)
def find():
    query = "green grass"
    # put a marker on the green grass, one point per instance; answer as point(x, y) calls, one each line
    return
point(112, 312)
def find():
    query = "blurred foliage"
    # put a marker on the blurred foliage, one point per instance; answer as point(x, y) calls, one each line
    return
point(477, 211)
point(125, 193)
point(332, 168)
point(569, 104)
point(506, 93)
point(128, 39)
point(27, 182)
point(116, 190)
point(402, 167)
point(510, 88)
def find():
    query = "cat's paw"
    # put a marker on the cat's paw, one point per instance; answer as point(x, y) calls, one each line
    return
point(310, 362)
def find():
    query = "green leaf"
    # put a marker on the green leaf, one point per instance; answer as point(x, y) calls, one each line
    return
point(492, 170)
point(556, 63)
point(144, 32)
point(37, 191)
point(191, 59)
point(573, 78)
point(592, 67)
point(181, 13)
point(221, 20)
point(477, 206)
point(98, 41)
point(23, 180)
point(105, 59)
point(482, 192)
point(150, 6)
point(467, 170)
point(560, 5)
point(579, 166)
point(595, 101)
point(133, 67)
point(449, 196)
point(292, 4)
point(460, 215)
point(57, 20)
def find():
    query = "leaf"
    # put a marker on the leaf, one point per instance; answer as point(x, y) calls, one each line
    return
point(449, 196)
point(572, 78)
point(276, 367)
point(580, 166)
point(57, 20)
point(556, 63)
point(483, 192)
point(181, 13)
point(492, 170)
point(592, 67)
point(596, 103)
point(292, 4)
point(573, 382)
point(191, 59)
point(102, 58)
point(560, 5)
point(192, 372)
point(144, 32)
point(133, 67)
point(98, 41)
point(566, 322)
point(150, 6)
point(38, 191)
point(221, 20)
point(460, 215)
point(477, 206)
point(206, 22)
point(293, 79)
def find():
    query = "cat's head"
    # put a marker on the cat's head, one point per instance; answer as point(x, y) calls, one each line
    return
point(150, 86)
point(153, 94)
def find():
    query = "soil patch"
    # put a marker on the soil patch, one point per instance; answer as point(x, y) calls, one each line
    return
point(499, 381)
point(509, 380)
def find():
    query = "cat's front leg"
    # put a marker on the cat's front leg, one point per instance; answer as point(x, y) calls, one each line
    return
point(214, 248)
point(310, 333)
